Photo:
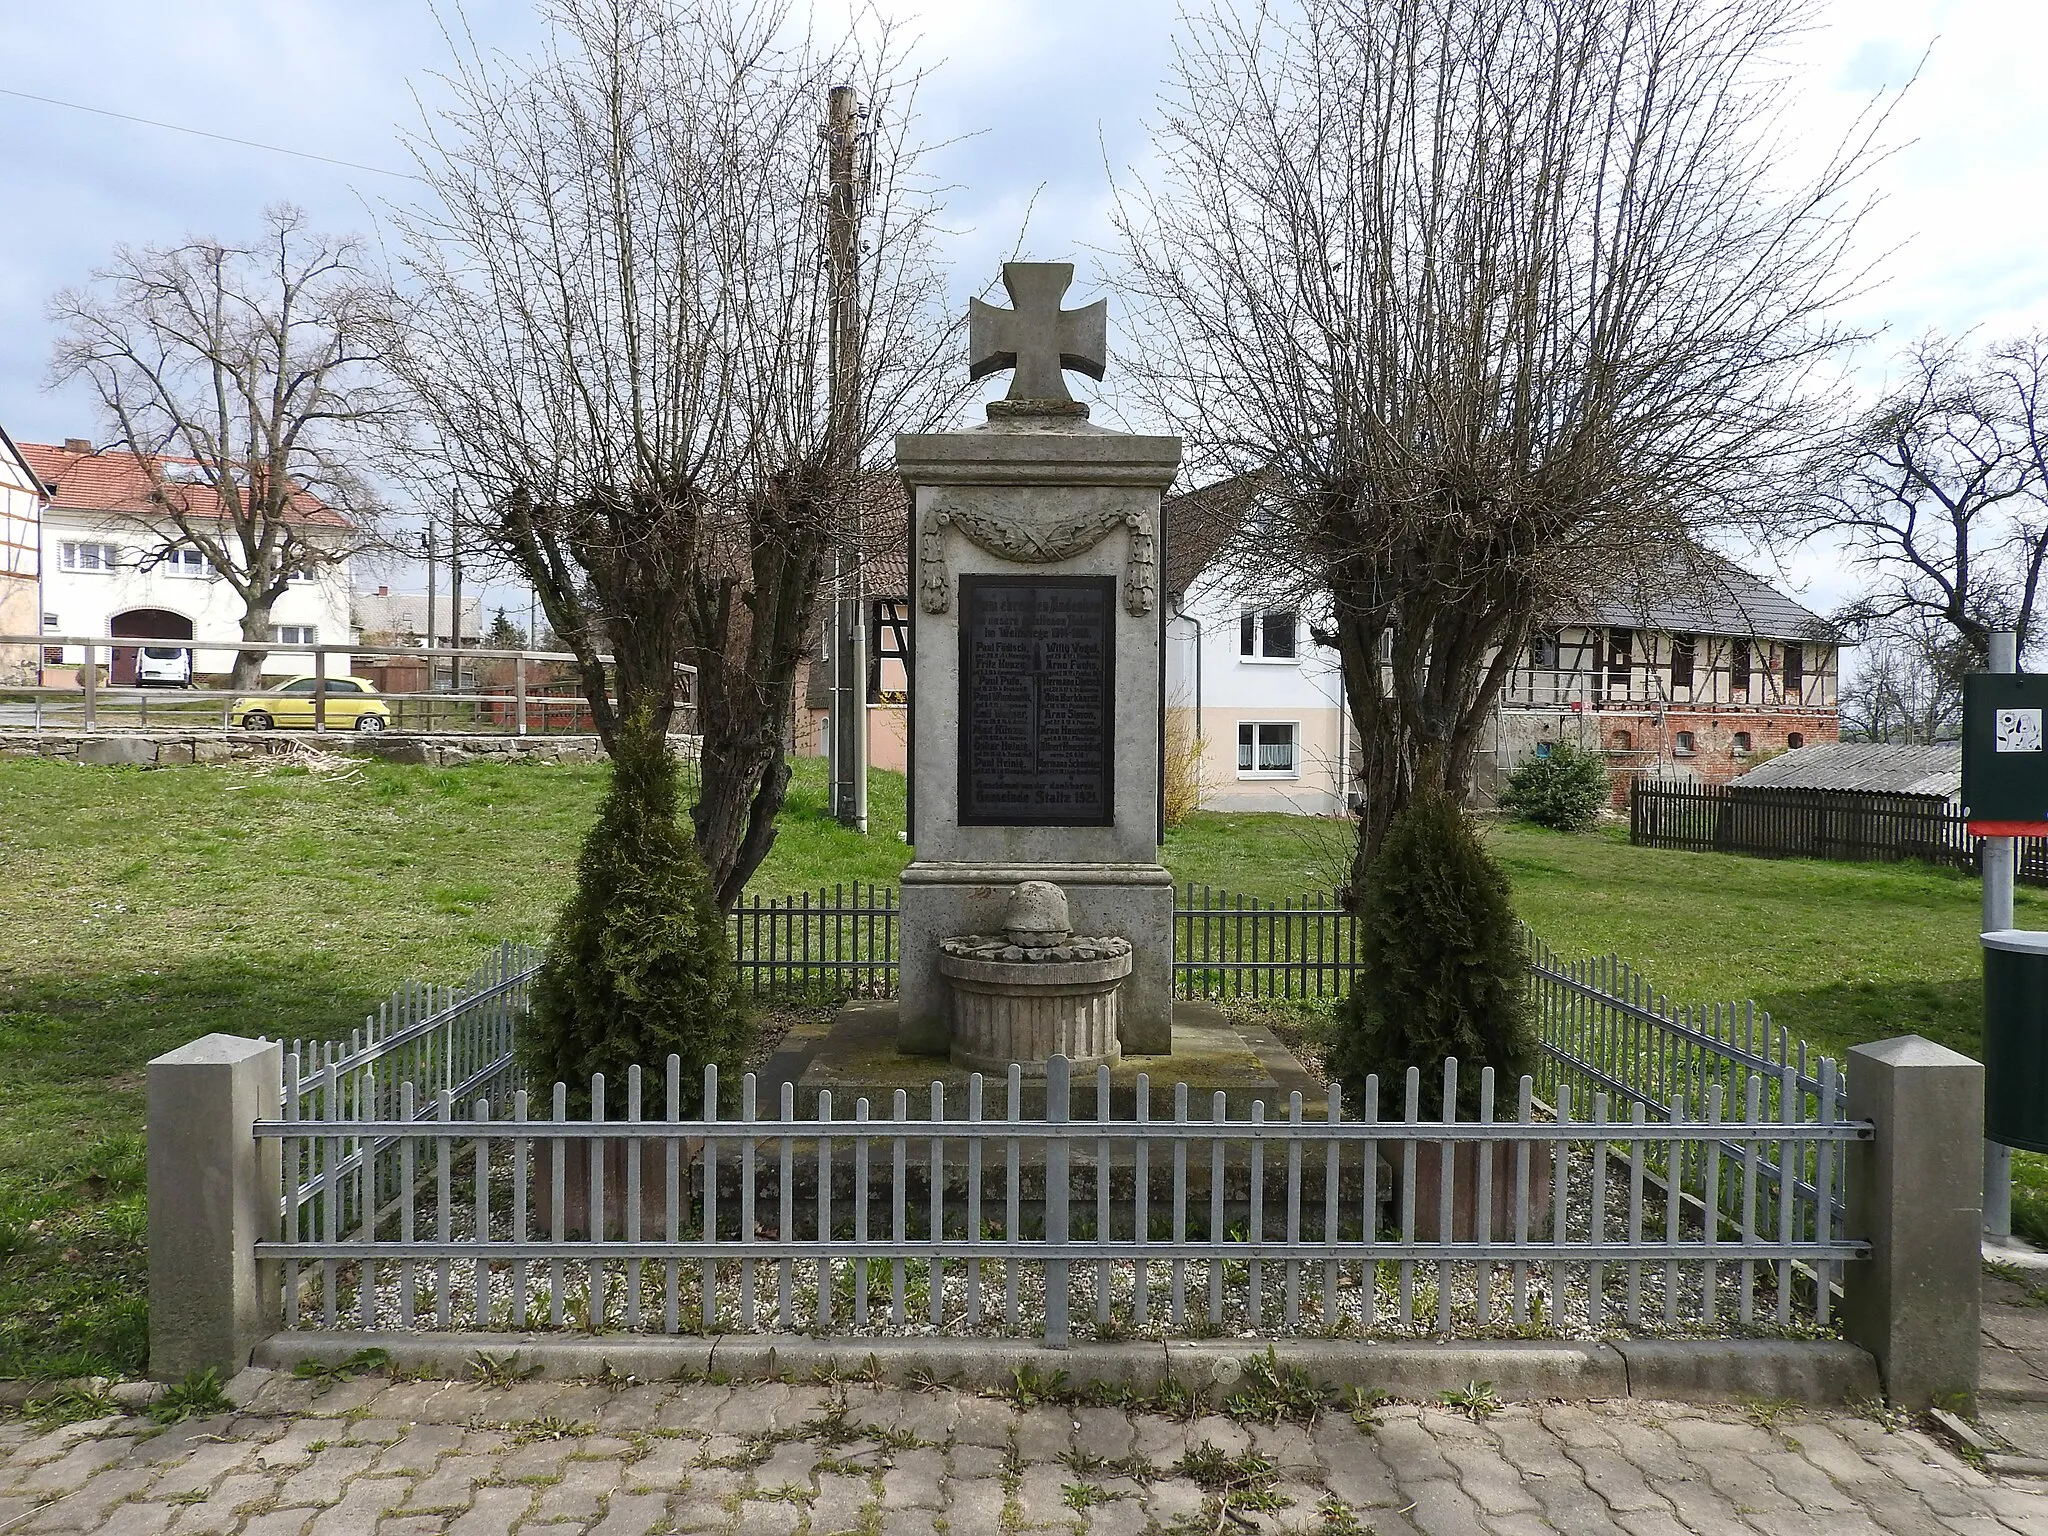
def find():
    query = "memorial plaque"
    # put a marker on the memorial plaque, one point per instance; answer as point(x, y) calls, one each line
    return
point(1036, 681)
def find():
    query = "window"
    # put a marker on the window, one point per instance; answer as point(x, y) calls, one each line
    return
point(1543, 648)
point(1622, 741)
point(1267, 636)
point(1683, 745)
point(343, 685)
point(76, 556)
point(188, 563)
point(1681, 662)
point(299, 573)
point(295, 634)
point(1795, 672)
point(53, 655)
point(1795, 741)
point(888, 651)
point(1264, 749)
point(1738, 666)
point(303, 685)
point(1742, 743)
point(1621, 645)
point(1543, 749)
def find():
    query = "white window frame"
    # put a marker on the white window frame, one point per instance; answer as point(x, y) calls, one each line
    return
point(178, 564)
point(1257, 655)
point(1257, 728)
point(106, 557)
point(308, 634)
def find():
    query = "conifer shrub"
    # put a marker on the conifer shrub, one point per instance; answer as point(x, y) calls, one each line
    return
point(1563, 791)
point(639, 967)
point(1442, 969)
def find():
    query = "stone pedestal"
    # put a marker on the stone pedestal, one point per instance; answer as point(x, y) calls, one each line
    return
point(1019, 771)
point(1005, 1012)
point(1036, 989)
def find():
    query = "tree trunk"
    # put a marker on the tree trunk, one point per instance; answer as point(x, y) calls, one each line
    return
point(1420, 717)
point(248, 672)
point(748, 645)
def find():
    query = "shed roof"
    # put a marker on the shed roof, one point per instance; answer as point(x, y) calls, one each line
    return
point(1868, 767)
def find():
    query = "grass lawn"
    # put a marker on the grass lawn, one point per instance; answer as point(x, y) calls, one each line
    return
point(142, 909)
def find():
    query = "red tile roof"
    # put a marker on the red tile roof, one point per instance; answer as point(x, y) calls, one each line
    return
point(115, 480)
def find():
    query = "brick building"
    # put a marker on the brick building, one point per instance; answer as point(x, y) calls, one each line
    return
point(1696, 678)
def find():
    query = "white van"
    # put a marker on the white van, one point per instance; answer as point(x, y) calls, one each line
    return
point(163, 666)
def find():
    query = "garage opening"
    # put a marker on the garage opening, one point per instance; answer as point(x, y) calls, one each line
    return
point(142, 624)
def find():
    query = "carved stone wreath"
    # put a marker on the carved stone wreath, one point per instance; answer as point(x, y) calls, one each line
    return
point(1035, 544)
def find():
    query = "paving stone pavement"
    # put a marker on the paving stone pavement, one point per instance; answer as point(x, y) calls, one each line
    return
point(412, 1458)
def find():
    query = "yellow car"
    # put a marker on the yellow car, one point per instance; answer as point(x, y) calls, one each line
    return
point(352, 704)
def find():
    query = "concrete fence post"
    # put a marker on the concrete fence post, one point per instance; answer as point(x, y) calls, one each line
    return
point(1914, 1194)
point(213, 1195)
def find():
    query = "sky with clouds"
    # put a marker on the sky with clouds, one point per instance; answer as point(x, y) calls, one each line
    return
point(1036, 102)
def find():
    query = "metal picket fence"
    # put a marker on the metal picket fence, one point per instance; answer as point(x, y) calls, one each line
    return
point(832, 940)
point(1226, 944)
point(1605, 1029)
point(1011, 1223)
point(423, 1041)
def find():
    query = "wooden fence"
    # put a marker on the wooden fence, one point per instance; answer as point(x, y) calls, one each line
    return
point(1855, 826)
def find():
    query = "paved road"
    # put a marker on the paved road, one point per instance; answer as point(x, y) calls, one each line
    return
point(411, 1458)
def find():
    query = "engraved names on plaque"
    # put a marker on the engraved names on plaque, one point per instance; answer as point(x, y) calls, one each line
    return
point(1036, 682)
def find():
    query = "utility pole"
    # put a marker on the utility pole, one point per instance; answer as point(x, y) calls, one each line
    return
point(427, 539)
point(454, 597)
point(849, 720)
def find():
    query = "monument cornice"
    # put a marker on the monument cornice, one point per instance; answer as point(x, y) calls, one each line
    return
point(951, 872)
point(1037, 458)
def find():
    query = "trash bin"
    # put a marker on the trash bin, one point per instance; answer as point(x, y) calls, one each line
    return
point(2016, 1038)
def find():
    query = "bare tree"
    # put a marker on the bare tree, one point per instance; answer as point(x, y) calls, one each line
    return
point(617, 335)
point(1502, 294)
point(1940, 490)
point(238, 374)
point(1908, 686)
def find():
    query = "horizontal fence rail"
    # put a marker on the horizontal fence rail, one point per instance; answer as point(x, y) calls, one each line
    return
point(964, 1219)
point(487, 692)
point(1859, 826)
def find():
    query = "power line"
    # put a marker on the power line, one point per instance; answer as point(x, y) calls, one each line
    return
point(150, 122)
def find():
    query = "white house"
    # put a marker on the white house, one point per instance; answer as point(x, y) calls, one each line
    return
point(1254, 707)
point(106, 571)
point(21, 519)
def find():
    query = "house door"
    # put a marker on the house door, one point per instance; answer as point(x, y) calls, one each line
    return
point(142, 624)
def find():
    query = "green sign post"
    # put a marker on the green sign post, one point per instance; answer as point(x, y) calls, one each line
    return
point(2005, 754)
point(2005, 795)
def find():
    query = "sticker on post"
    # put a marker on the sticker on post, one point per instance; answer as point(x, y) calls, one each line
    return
point(2019, 730)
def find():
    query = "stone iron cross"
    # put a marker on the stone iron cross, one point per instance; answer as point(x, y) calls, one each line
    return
point(1037, 338)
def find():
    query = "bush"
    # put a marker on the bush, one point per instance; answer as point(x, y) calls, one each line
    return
point(639, 967)
point(1564, 791)
point(1443, 969)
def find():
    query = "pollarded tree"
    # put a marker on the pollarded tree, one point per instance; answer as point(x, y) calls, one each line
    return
point(239, 374)
point(617, 331)
point(1500, 295)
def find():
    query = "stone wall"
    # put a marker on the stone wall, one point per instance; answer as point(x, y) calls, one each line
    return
point(165, 749)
